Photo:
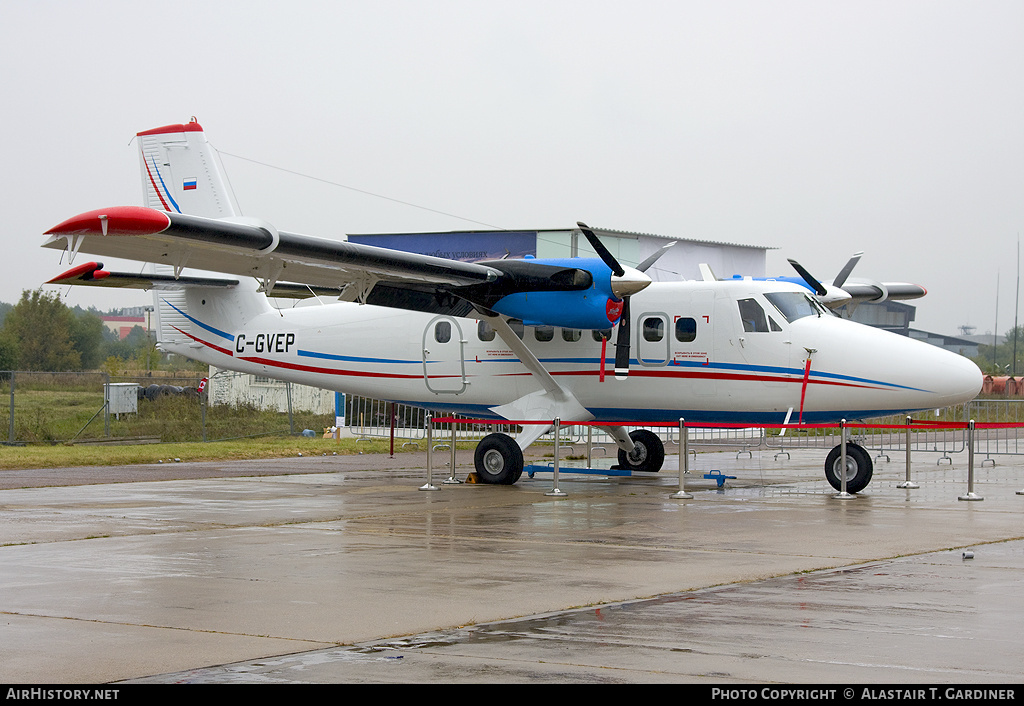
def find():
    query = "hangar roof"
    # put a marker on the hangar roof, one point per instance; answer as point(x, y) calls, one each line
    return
point(600, 231)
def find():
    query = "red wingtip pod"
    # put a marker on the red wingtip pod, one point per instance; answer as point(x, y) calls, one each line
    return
point(88, 270)
point(120, 220)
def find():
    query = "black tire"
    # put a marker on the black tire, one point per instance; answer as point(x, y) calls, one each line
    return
point(858, 468)
point(498, 460)
point(648, 452)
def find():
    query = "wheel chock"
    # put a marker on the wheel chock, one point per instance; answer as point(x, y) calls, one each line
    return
point(718, 477)
point(473, 478)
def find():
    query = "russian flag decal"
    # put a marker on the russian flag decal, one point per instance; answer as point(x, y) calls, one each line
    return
point(189, 184)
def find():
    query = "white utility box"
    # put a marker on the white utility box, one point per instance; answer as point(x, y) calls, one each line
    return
point(122, 397)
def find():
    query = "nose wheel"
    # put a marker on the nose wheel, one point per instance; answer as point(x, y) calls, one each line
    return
point(858, 468)
point(648, 452)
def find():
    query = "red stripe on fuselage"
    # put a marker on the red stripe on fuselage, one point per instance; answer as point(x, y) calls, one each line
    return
point(225, 351)
point(634, 372)
point(333, 371)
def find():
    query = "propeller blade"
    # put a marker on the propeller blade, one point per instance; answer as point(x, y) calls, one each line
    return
point(847, 269)
point(622, 343)
point(643, 266)
point(601, 250)
point(817, 286)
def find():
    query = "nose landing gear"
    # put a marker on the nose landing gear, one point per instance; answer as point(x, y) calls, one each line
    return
point(858, 468)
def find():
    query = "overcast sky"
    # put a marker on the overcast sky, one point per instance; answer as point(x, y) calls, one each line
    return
point(818, 128)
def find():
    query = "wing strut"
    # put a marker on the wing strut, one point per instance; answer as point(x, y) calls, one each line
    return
point(545, 404)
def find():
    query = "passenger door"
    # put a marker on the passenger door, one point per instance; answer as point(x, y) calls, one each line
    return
point(444, 368)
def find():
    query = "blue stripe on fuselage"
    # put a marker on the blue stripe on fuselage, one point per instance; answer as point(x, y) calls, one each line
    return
point(200, 324)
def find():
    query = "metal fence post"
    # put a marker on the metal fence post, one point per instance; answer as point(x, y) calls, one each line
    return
point(106, 405)
point(681, 494)
point(452, 480)
point(971, 495)
point(429, 485)
point(10, 431)
point(908, 483)
point(842, 494)
point(291, 420)
point(555, 492)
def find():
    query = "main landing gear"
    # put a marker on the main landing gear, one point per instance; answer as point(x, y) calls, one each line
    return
point(499, 460)
point(858, 468)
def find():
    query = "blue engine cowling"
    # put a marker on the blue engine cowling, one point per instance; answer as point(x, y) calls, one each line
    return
point(595, 307)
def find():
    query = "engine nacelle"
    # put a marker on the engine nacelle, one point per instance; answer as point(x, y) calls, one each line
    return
point(588, 309)
point(595, 307)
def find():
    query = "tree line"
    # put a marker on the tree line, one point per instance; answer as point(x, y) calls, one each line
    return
point(1005, 357)
point(41, 333)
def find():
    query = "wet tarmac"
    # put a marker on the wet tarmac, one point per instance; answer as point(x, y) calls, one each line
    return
point(340, 569)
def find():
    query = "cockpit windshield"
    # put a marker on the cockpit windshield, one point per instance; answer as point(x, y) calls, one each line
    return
point(795, 305)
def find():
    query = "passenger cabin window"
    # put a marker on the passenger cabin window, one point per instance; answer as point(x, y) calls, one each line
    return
point(686, 329)
point(571, 335)
point(517, 327)
point(654, 329)
point(484, 331)
point(543, 333)
point(443, 331)
point(602, 335)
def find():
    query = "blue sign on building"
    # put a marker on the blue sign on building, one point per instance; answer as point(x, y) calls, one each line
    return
point(467, 246)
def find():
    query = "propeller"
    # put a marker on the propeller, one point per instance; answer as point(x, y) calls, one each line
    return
point(625, 281)
point(840, 279)
point(831, 295)
point(817, 286)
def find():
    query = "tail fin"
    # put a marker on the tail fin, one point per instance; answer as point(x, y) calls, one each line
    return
point(181, 173)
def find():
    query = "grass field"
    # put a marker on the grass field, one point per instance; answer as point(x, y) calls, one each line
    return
point(50, 456)
point(60, 415)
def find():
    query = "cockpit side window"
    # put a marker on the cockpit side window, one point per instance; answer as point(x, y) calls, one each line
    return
point(752, 315)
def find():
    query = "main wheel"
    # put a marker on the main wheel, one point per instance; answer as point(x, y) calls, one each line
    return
point(647, 455)
point(858, 468)
point(498, 460)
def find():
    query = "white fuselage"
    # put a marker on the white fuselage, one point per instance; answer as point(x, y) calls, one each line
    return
point(692, 356)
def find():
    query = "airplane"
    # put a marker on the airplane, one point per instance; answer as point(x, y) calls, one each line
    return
point(524, 340)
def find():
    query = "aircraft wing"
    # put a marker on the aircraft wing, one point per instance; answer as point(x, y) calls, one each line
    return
point(248, 247)
point(292, 265)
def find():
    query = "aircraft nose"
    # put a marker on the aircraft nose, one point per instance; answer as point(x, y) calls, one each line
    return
point(957, 379)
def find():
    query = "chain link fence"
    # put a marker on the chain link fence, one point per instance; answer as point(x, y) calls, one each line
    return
point(55, 408)
point(52, 408)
